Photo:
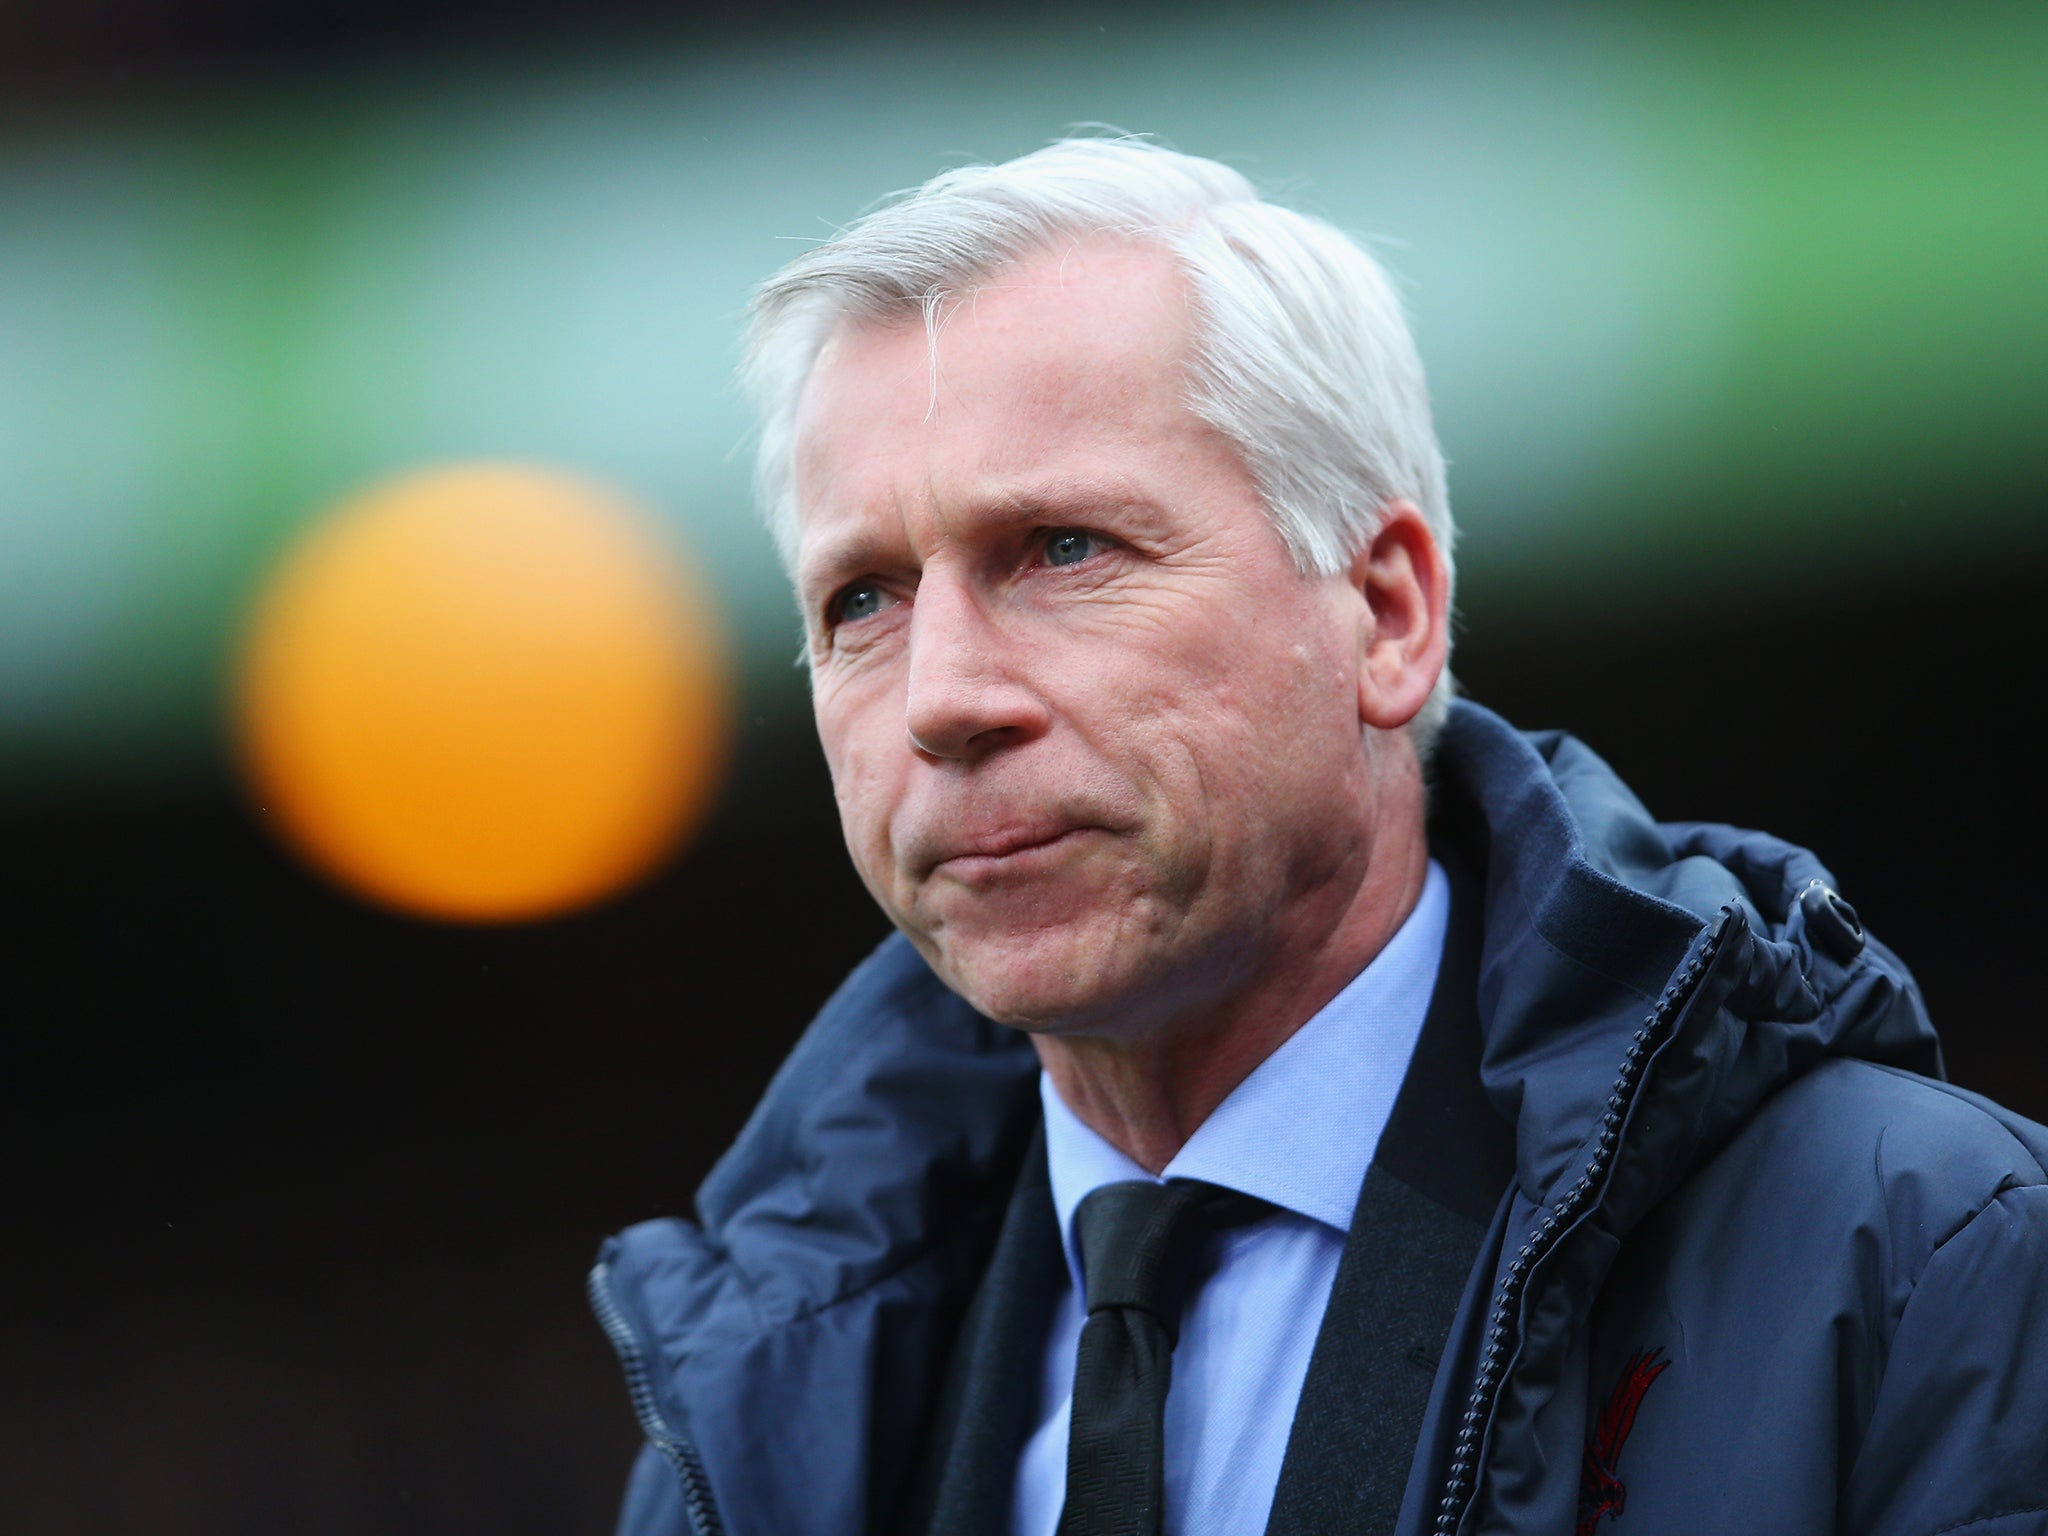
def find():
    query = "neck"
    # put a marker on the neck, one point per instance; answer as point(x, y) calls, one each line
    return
point(1146, 1095)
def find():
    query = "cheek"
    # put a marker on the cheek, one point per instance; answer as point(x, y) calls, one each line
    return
point(1263, 720)
point(1233, 680)
point(858, 757)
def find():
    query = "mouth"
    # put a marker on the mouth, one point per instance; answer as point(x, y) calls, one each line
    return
point(1009, 851)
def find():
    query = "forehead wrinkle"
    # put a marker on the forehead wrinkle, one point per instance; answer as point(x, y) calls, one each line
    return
point(1073, 498)
point(856, 541)
point(1089, 426)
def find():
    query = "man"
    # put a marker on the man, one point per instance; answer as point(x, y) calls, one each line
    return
point(1295, 1102)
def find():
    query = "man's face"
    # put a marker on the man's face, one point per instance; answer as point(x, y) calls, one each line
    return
point(1095, 739)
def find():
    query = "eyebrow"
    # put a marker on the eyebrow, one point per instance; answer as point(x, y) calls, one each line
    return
point(1075, 500)
point(842, 560)
point(1052, 503)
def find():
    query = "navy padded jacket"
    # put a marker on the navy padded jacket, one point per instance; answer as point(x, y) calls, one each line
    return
point(1760, 1269)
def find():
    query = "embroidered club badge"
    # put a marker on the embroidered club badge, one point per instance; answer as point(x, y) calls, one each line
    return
point(1601, 1490)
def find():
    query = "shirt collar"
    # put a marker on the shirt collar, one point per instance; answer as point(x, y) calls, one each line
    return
point(1301, 1130)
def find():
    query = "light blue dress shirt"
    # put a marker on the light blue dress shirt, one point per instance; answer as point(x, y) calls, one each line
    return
point(1299, 1132)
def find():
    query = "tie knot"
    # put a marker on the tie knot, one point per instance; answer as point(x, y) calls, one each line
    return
point(1138, 1241)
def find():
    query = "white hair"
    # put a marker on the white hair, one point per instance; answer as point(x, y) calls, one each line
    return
point(1300, 356)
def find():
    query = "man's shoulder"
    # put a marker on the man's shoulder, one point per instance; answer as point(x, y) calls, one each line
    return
point(1855, 1149)
point(1908, 1130)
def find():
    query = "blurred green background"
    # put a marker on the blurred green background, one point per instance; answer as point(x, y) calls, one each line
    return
point(1738, 331)
point(1742, 296)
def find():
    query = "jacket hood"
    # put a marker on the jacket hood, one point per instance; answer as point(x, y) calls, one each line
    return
point(1592, 907)
point(836, 1241)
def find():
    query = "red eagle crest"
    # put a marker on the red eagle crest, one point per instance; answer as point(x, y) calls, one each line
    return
point(1601, 1490)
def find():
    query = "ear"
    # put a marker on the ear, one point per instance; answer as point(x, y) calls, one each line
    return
point(1404, 626)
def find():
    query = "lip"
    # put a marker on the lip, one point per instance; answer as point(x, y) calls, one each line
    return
point(1007, 850)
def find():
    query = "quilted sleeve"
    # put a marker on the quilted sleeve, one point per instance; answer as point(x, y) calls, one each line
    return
point(1959, 1435)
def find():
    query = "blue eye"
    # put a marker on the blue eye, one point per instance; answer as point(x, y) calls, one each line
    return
point(862, 600)
point(1069, 546)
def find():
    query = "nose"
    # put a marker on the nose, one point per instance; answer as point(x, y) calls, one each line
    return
point(967, 694)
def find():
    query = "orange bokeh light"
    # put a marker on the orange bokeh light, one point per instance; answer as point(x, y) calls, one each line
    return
point(483, 693)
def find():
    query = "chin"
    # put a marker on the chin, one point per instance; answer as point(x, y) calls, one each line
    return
point(1051, 982)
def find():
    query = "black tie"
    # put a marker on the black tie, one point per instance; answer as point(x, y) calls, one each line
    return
point(1138, 1241)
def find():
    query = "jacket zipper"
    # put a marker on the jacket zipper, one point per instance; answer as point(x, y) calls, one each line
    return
point(1460, 1486)
point(682, 1455)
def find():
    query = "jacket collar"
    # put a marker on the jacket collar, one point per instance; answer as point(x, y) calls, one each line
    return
point(1592, 904)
